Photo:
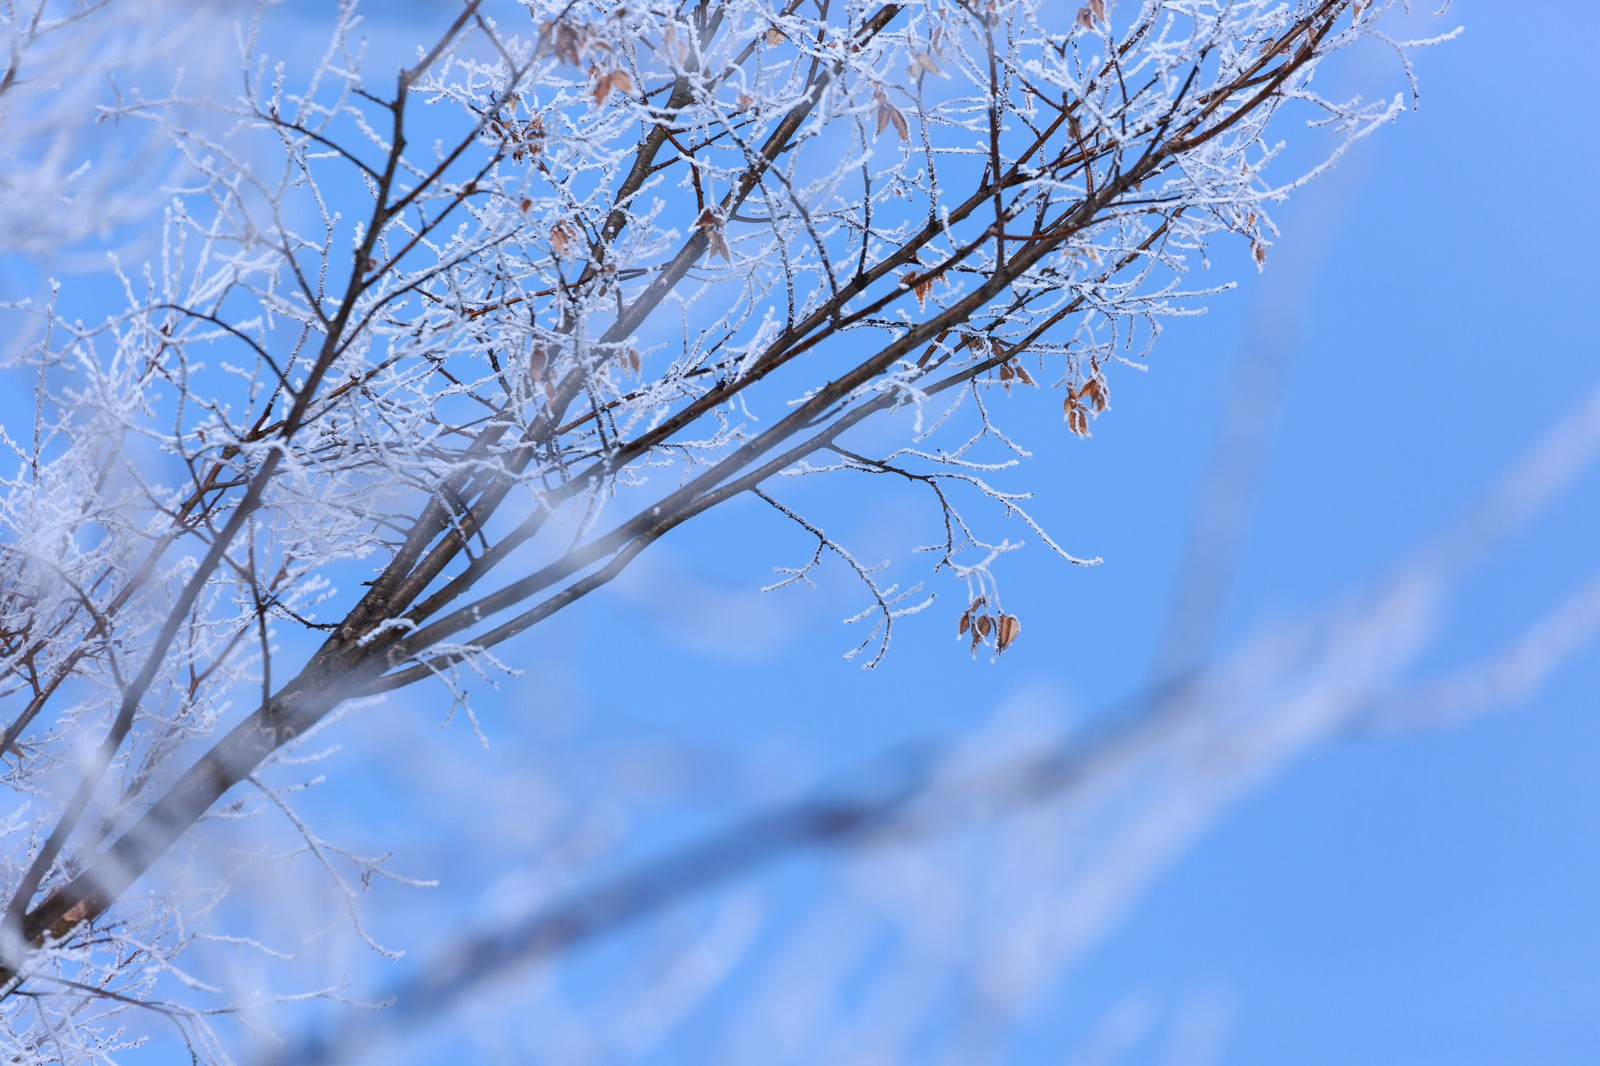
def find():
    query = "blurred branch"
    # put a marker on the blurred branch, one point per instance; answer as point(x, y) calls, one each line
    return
point(1173, 759)
point(473, 341)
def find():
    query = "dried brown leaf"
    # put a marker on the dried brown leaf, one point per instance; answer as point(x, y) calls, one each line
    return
point(562, 234)
point(563, 41)
point(919, 284)
point(676, 49)
point(900, 126)
point(1007, 631)
point(1094, 390)
point(712, 225)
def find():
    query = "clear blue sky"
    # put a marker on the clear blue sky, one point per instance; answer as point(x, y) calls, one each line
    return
point(1428, 898)
point(1424, 899)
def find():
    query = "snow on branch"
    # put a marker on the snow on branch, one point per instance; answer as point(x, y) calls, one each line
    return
point(402, 365)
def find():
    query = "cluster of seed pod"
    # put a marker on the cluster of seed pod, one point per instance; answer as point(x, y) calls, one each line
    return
point(983, 626)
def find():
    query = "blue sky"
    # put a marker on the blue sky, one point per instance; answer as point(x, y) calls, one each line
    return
point(1413, 898)
point(1388, 899)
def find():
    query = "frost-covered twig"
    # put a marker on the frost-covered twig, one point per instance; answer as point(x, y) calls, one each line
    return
point(422, 360)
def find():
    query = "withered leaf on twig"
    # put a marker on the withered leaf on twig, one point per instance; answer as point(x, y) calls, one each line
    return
point(889, 115)
point(563, 40)
point(712, 225)
point(562, 234)
point(618, 80)
point(921, 285)
point(1006, 632)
